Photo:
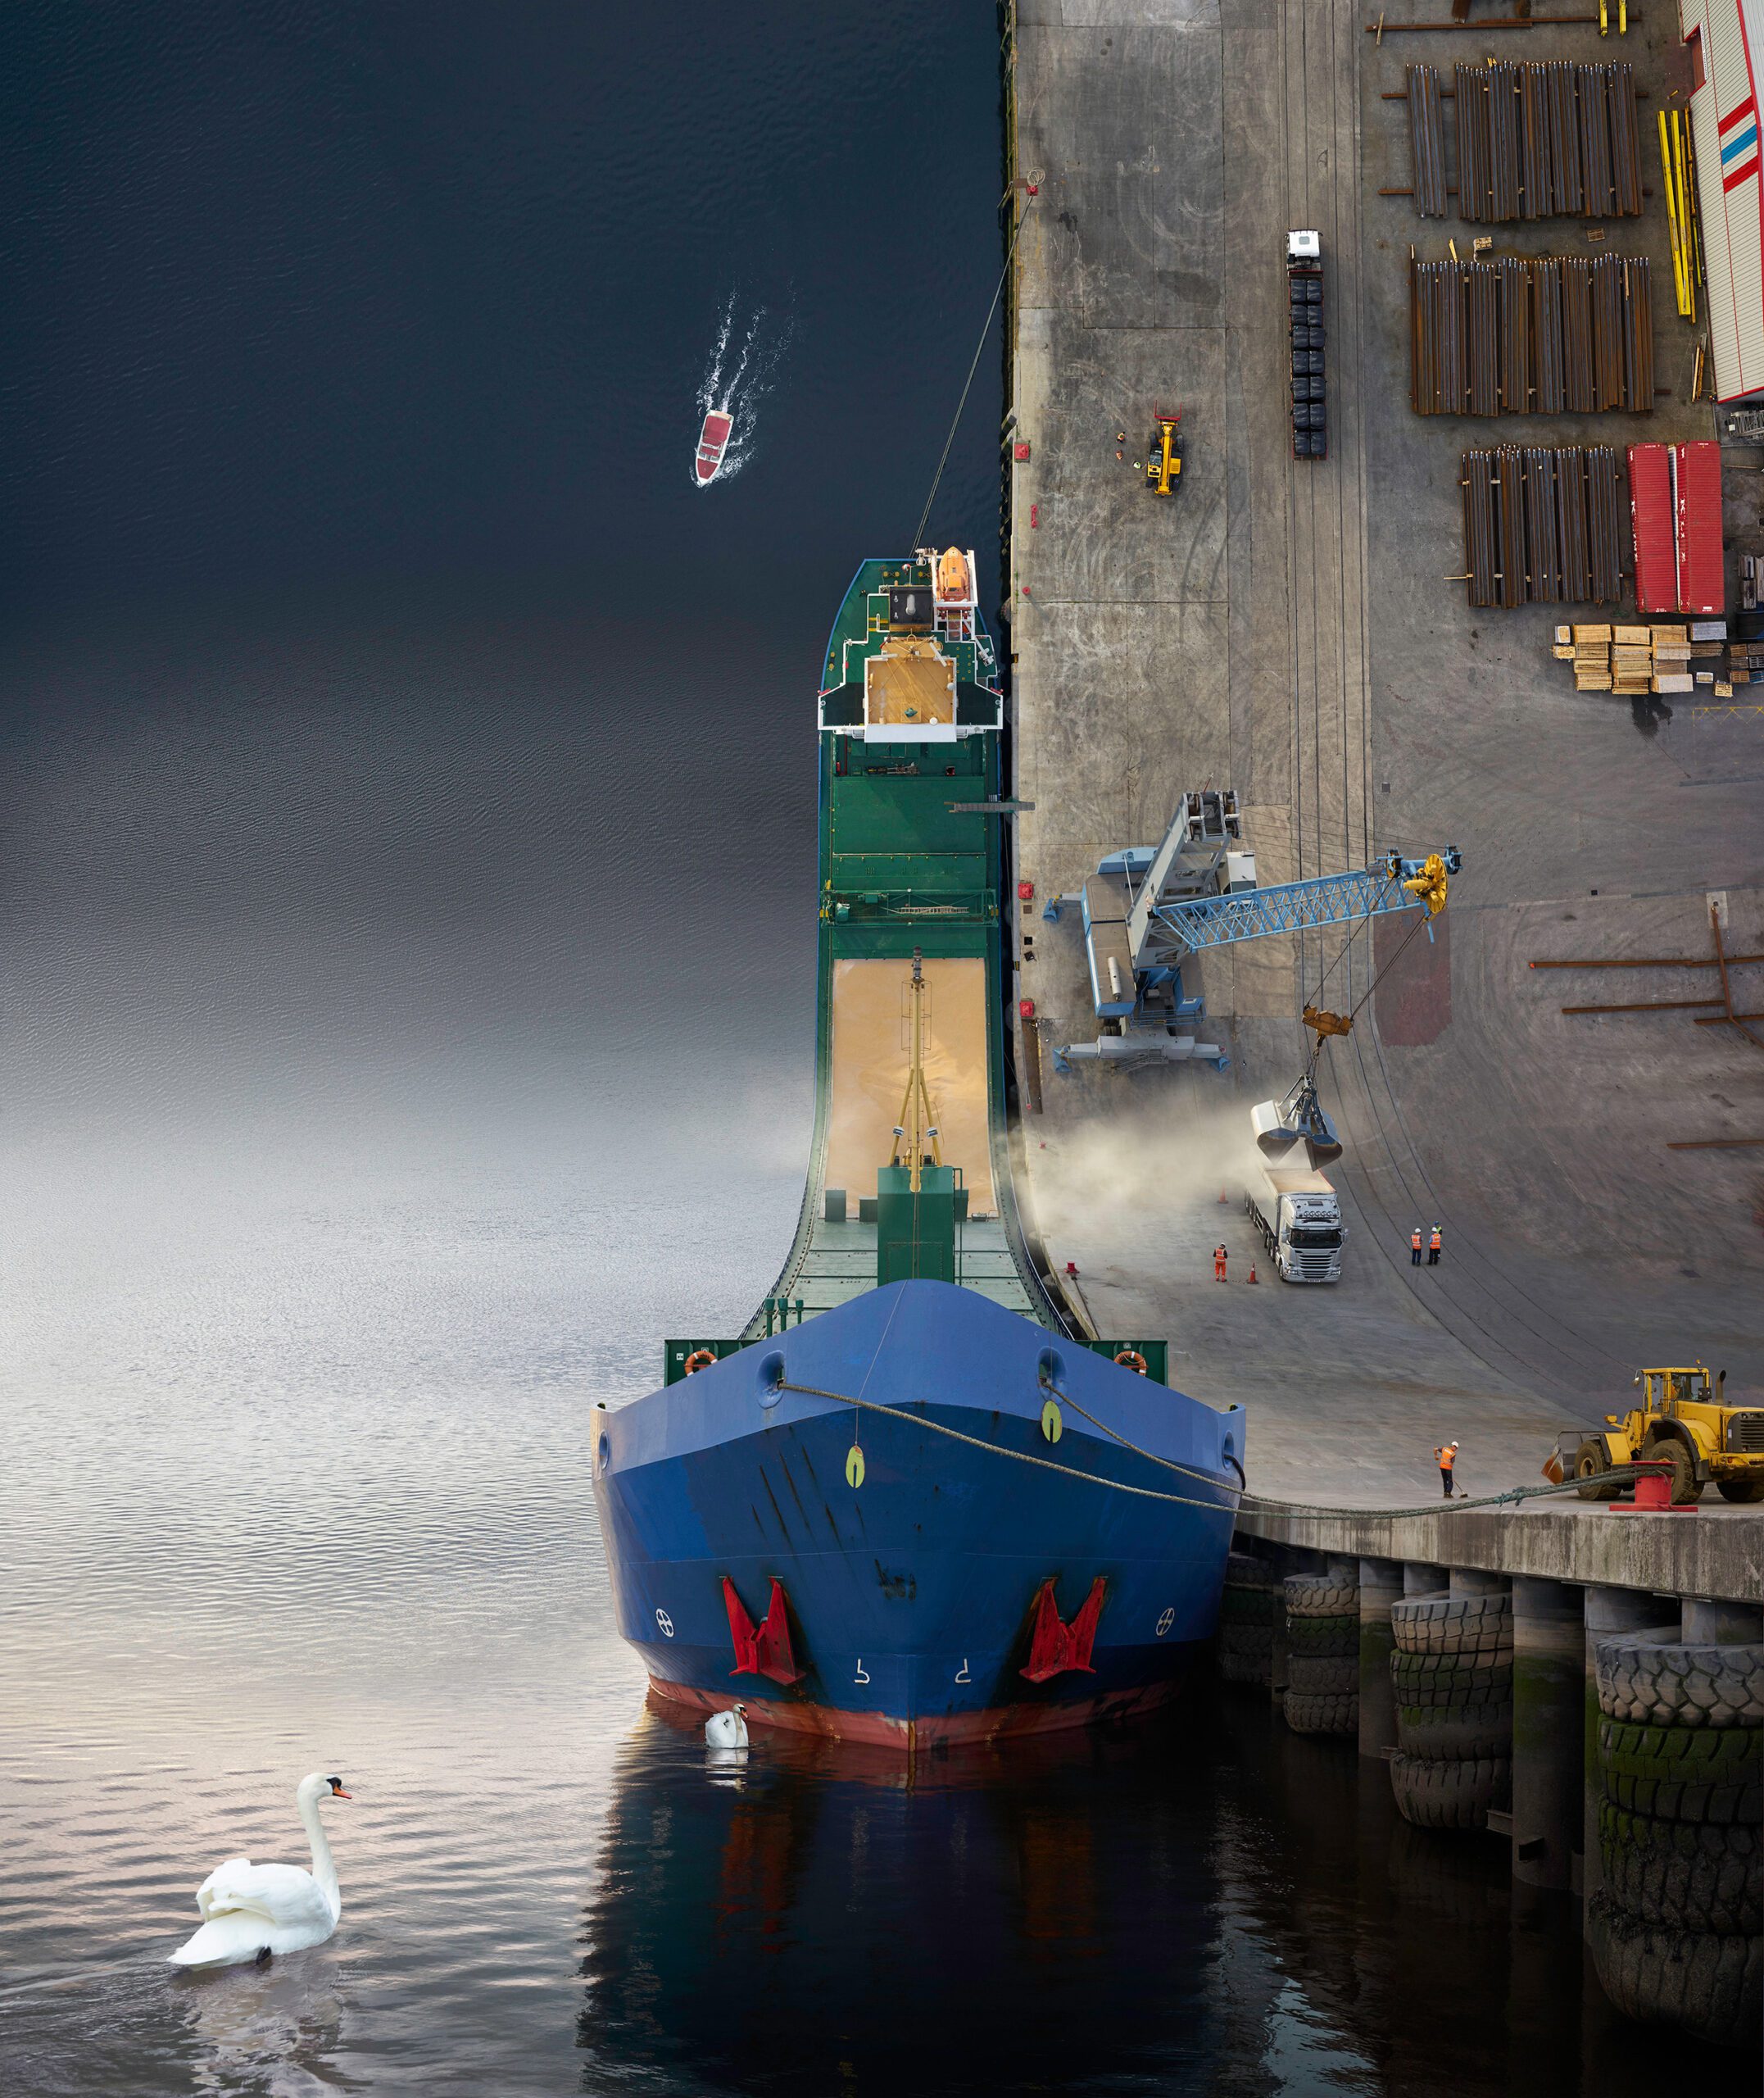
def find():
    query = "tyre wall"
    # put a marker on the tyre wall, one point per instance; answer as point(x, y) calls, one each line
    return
point(1246, 1619)
point(1322, 1625)
point(1451, 1677)
point(1677, 1927)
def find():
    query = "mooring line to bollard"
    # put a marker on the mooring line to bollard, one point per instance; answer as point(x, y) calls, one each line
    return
point(1253, 1502)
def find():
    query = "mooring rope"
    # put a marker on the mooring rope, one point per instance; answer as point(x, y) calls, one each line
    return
point(1020, 1456)
point(1303, 1512)
point(1254, 1502)
point(924, 518)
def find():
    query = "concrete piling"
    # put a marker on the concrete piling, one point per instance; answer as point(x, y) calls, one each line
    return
point(1550, 1693)
point(1722, 1623)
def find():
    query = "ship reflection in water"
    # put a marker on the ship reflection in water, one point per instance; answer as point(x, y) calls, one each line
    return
point(1210, 1904)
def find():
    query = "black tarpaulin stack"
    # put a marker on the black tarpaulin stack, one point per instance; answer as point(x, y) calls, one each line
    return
point(1543, 526)
point(1536, 140)
point(1531, 335)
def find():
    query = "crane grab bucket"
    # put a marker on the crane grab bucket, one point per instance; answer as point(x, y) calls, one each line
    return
point(1279, 1124)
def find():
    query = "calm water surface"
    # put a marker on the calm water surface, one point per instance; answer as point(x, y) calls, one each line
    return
point(407, 972)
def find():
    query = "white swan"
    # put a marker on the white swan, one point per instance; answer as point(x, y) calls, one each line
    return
point(726, 1729)
point(249, 1911)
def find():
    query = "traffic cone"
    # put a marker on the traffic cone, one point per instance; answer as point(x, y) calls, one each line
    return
point(1252, 1271)
point(1225, 1194)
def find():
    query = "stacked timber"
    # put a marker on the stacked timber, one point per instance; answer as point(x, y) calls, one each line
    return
point(1543, 525)
point(1675, 1928)
point(1322, 1694)
point(1452, 1675)
point(1534, 141)
point(1520, 335)
point(1246, 1619)
point(1745, 662)
point(1627, 661)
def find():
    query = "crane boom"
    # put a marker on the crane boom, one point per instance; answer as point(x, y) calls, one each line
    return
point(1390, 884)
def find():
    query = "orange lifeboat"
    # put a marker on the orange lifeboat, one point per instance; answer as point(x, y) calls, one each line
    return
point(952, 586)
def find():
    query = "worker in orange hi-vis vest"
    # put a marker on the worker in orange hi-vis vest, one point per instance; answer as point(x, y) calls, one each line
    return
point(1433, 1247)
point(1444, 1457)
point(1218, 1263)
point(1414, 1247)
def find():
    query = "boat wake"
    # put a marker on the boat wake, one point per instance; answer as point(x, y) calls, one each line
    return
point(743, 360)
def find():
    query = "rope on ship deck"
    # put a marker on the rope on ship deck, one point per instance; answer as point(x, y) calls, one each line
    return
point(1245, 1498)
point(1023, 1457)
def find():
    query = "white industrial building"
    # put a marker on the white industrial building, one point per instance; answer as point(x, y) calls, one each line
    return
point(1725, 39)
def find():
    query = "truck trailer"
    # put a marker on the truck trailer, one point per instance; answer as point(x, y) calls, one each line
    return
point(1298, 1217)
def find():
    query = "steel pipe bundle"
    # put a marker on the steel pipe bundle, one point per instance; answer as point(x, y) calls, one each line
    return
point(1638, 325)
point(1426, 140)
point(1534, 140)
point(1520, 335)
point(1543, 526)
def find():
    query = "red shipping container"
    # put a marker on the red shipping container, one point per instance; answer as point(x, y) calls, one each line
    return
point(1651, 514)
point(1702, 566)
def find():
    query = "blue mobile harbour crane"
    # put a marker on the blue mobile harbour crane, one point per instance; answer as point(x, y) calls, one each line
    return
point(1147, 909)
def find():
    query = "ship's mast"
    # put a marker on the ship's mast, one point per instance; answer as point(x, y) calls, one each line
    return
point(915, 1126)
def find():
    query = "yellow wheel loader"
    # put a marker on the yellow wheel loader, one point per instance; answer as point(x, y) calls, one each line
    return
point(1164, 454)
point(1685, 1423)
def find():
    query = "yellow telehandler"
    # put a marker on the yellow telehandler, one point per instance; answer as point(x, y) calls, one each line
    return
point(1685, 1423)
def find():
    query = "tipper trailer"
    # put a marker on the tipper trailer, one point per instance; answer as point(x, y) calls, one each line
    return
point(1298, 1217)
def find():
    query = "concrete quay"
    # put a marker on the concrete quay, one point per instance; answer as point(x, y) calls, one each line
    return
point(1289, 628)
point(1675, 1553)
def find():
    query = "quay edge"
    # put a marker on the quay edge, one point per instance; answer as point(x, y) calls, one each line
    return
point(1716, 1556)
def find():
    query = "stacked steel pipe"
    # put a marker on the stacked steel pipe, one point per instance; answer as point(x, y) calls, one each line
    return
point(1426, 139)
point(1523, 335)
point(1534, 141)
point(1543, 526)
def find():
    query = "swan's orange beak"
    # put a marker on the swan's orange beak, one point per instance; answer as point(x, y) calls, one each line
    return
point(338, 1793)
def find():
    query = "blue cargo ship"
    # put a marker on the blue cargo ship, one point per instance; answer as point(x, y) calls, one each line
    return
point(913, 1501)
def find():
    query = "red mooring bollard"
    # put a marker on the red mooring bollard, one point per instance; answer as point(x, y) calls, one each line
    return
point(1653, 1496)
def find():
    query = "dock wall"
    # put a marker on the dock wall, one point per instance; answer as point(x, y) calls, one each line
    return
point(1608, 1734)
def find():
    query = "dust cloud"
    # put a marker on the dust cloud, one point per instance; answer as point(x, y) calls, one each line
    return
point(1174, 1152)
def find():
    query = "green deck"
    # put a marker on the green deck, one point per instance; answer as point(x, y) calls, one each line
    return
point(901, 870)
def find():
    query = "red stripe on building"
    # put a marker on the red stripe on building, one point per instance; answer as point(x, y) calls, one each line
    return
point(1739, 174)
point(1748, 379)
point(1745, 109)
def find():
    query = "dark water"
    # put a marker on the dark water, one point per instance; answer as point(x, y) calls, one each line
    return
point(405, 948)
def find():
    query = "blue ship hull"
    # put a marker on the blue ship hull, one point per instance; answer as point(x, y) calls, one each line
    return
point(914, 1607)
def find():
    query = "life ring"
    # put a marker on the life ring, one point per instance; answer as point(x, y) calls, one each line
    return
point(700, 1358)
point(1130, 1358)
